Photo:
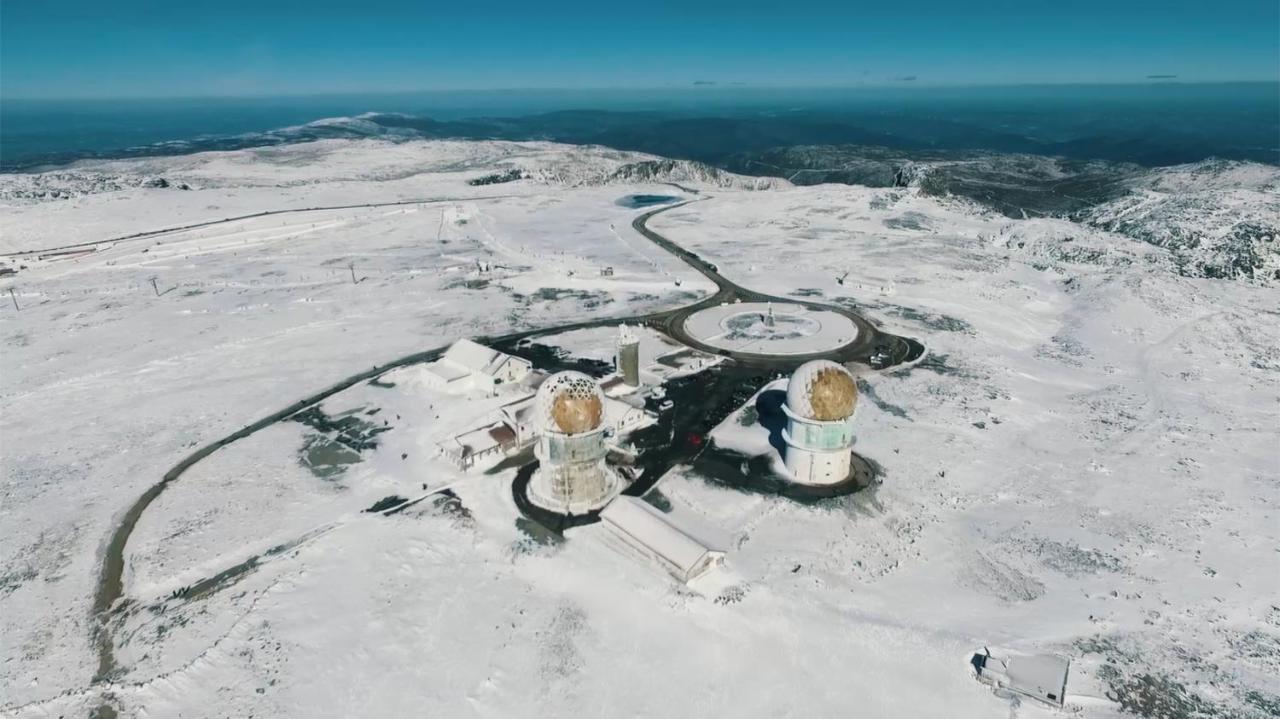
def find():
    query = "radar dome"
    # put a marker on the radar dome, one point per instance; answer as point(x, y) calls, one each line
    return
point(822, 390)
point(570, 403)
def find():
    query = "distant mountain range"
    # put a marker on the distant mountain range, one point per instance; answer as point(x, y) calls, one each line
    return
point(1079, 132)
point(1105, 179)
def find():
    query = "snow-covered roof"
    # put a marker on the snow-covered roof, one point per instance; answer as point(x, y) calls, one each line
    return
point(519, 409)
point(1042, 676)
point(478, 441)
point(616, 410)
point(467, 357)
point(447, 371)
point(502, 433)
point(472, 355)
point(651, 532)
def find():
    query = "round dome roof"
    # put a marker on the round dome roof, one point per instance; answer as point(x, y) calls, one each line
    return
point(569, 403)
point(822, 390)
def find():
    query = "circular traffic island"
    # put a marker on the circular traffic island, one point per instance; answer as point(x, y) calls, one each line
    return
point(770, 328)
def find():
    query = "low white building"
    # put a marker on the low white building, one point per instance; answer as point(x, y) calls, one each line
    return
point(621, 416)
point(650, 533)
point(515, 426)
point(471, 367)
point(482, 443)
point(1040, 676)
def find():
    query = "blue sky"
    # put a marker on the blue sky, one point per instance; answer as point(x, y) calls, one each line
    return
point(71, 48)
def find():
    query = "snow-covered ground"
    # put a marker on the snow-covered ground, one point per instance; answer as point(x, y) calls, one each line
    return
point(1086, 461)
point(106, 384)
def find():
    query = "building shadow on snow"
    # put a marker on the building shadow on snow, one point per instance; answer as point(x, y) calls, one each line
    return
point(769, 415)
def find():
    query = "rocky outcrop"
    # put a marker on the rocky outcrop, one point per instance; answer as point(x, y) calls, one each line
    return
point(67, 184)
point(1216, 218)
point(931, 180)
point(678, 171)
point(498, 178)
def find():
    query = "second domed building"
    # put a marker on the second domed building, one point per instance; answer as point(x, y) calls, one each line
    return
point(821, 399)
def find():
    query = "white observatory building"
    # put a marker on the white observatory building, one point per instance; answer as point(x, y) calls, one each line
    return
point(572, 477)
point(821, 397)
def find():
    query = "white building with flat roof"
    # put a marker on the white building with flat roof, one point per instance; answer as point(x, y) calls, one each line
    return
point(653, 535)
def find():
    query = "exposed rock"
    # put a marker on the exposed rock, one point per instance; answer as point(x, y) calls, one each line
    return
point(1216, 218)
point(688, 171)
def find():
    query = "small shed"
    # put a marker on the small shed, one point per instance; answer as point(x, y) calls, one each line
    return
point(1039, 676)
point(622, 416)
point(653, 535)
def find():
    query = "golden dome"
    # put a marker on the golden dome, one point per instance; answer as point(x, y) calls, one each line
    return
point(822, 390)
point(569, 403)
point(832, 394)
point(574, 413)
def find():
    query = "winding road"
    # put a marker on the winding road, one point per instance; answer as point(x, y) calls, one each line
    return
point(727, 292)
point(110, 590)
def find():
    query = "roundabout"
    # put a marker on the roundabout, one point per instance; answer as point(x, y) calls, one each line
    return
point(771, 328)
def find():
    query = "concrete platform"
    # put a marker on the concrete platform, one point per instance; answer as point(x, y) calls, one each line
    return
point(794, 330)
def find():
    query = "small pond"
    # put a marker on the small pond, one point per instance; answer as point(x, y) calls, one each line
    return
point(636, 202)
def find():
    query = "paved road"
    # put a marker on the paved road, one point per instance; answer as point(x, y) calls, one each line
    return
point(111, 583)
point(266, 213)
point(727, 292)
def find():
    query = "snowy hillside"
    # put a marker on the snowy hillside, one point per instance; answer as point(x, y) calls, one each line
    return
point(691, 173)
point(373, 160)
point(1083, 463)
point(1217, 218)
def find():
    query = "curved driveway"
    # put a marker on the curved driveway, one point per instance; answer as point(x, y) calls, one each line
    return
point(728, 292)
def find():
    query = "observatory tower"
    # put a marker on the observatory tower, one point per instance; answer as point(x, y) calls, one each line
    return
point(626, 358)
point(572, 477)
point(821, 397)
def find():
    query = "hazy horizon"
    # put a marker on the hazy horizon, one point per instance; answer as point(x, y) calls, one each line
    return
point(1152, 123)
point(704, 86)
point(80, 49)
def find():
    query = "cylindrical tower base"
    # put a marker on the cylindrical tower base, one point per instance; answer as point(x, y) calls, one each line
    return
point(818, 452)
point(818, 468)
point(572, 476)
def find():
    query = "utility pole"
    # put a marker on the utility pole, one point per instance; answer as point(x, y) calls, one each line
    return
point(15, 300)
point(155, 287)
point(352, 267)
